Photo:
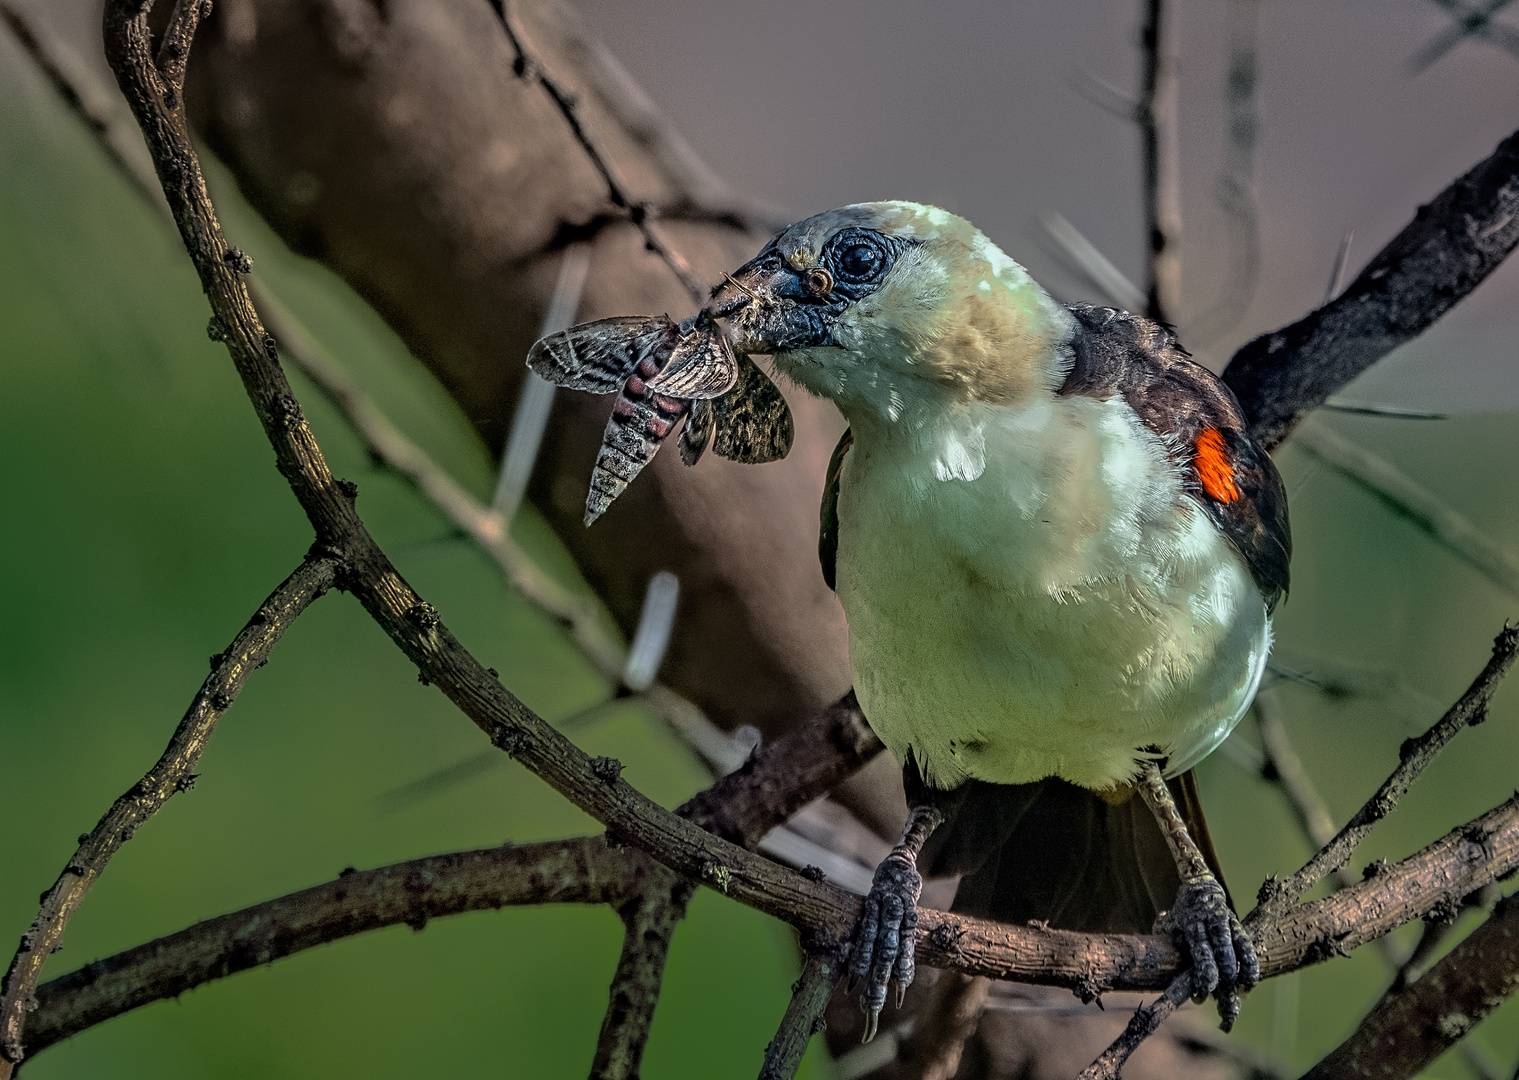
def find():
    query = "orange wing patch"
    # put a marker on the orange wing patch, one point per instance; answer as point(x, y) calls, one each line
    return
point(1213, 468)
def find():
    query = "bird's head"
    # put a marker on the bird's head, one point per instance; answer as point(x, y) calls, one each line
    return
point(889, 308)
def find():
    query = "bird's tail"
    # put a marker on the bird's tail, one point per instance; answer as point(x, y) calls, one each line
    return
point(1058, 853)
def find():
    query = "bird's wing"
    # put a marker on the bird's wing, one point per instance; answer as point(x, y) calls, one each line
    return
point(828, 513)
point(599, 356)
point(753, 421)
point(1202, 426)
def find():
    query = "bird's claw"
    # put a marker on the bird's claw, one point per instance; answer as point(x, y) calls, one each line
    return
point(1207, 930)
point(884, 940)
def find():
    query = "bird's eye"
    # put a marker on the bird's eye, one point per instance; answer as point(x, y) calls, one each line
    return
point(859, 262)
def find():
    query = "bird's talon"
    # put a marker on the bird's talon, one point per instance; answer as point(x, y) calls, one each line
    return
point(886, 936)
point(1223, 957)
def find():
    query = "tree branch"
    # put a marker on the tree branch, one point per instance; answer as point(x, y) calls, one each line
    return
point(1414, 755)
point(172, 774)
point(1408, 1030)
point(804, 1014)
point(581, 871)
point(585, 870)
point(649, 920)
point(1448, 249)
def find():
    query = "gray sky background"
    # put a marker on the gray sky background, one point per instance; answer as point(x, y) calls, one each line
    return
point(971, 104)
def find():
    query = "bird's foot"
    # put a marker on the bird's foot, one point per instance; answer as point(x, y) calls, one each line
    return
point(1207, 930)
point(884, 940)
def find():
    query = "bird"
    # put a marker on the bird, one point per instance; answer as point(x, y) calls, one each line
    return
point(1058, 551)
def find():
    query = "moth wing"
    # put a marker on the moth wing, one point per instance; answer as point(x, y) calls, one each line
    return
point(599, 356)
point(753, 420)
point(702, 365)
point(697, 432)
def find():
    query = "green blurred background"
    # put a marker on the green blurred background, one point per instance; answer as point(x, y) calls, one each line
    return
point(143, 522)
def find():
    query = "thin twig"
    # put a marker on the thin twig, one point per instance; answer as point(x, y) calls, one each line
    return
point(1415, 754)
point(1405, 1032)
point(174, 48)
point(1337, 270)
point(173, 773)
point(1472, 21)
point(536, 398)
point(1396, 412)
point(530, 69)
point(804, 1014)
point(1091, 263)
point(1156, 116)
point(579, 871)
point(1283, 765)
point(1407, 498)
point(649, 923)
point(1141, 1026)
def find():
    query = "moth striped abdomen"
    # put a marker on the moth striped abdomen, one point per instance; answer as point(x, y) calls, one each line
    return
point(641, 420)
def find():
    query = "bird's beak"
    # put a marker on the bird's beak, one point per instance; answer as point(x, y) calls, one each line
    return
point(771, 307)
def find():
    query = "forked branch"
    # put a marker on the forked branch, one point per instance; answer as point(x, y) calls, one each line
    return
point(173, 773)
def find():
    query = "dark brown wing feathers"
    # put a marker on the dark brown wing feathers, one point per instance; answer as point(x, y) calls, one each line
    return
point(828, 513)
point(1201, 423)
point(1059, 853)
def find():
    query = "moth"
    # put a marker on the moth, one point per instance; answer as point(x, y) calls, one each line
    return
point(663, 371)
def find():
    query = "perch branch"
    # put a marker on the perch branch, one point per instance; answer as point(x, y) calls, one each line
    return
point(1414, 755)
point(1448, 249)
point(530, 69)
point(173, 773)
point(586, 870)
point(804, 1014)
point(1408, 1030)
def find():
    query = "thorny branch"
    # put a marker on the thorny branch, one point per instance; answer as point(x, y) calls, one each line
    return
point(173, 774)
point(1445, 252)
point(579, 871)
point(1144, 1023)
point(804, 1014)
point(1414, 755)
point(530, 69)
point(1407, 1030)
point(649, 921)
point(743, 806)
